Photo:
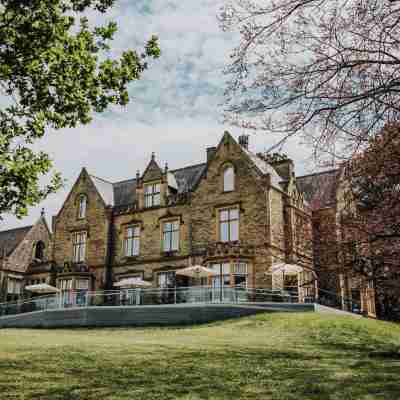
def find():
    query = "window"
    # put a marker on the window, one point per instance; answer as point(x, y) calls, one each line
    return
point(229, 179)
point(13, 286)
point(229, 225)
point(166, 279)
point(152, 195)
point(65, 284)
point(132, 241)
point(79, 247)
point(39, 250)
point(82, 284)
point(171, 236)
point(222, 274)
point(291, 284)
point(82, 206)
point(239, 272)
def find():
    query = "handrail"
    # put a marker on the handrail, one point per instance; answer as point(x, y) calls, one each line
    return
point(147, 296)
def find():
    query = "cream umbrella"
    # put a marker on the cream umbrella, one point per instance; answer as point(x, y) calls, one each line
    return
point(132, 283)
point(42, 288)
point(196, 271)
point(286, 268)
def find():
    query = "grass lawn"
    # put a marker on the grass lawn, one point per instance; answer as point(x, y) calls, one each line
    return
point(269, 356)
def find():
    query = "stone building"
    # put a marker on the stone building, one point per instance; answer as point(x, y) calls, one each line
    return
point(238, 213)
point(25, 258)
point(325, 194)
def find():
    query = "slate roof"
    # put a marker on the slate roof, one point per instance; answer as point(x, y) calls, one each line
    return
point(264, 167)
point(105, 189)
point(11, 238)
point(186, 179)
point(319, 189)
point(124, 192)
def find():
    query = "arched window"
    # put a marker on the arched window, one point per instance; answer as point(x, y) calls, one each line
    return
point(82, 206)
point(229, 179)
point(39, 250)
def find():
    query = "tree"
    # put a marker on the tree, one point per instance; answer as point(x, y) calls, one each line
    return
point(372, 223)
point(360, 237)
point(55, 74)
point(325, 69)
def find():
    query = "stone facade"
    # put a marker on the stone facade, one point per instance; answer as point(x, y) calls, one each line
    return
point(21, 262)
point(161, 221)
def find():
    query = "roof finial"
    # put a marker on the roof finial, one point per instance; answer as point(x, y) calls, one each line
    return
point(166, 167)
point(153, 156)
point(42, 212)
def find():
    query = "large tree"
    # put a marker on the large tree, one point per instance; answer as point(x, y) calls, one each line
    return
point(363, 240)
point(371, 218)
point(54, 73)
point(326, 69)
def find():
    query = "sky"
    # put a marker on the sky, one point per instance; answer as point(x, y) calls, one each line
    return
point(175, 109)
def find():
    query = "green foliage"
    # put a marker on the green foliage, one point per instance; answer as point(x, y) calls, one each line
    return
point(53, 70)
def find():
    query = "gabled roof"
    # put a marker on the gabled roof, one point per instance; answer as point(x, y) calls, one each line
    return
point(264, 167)
point(319, 189)
point(152, 171)
point(188, 177)
point(185, 180)
point(11, 238)
point(105, 189)
point(124, 192)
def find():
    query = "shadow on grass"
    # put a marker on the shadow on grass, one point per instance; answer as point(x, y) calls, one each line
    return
point(245, 373)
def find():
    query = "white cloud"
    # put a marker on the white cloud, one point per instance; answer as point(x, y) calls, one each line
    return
point(174, 109)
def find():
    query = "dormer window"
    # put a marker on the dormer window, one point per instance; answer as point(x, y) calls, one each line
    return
point(152, 195)
point(39, 251)
point(82, 206)
point(229, 179)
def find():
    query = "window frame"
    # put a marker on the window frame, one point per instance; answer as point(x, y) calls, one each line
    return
point(79, 247)
point(134, 238)
point(174, 229)
point(82, 210)
point(152, 195)
point(231, 188)
point(166, 274)
point(230, 223)
point(35, 249)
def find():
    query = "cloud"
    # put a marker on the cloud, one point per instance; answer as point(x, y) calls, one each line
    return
point(174, 109)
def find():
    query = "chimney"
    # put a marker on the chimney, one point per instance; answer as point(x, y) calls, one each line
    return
point(282, 164)
point(244, 141)
point(210, 152)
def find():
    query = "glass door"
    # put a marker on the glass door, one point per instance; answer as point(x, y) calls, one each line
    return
point(220, 284)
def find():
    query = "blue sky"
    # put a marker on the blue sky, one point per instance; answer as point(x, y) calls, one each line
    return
point(174, 110)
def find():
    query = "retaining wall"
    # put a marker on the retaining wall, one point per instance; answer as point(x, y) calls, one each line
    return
point(142, 315)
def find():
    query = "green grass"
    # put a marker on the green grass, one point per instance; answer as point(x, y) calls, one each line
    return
point(269, 356)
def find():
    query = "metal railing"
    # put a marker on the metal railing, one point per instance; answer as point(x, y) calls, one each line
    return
point(156, 296)
point(331, 299)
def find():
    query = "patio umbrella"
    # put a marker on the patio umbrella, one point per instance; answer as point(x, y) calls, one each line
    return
point(196, 271)
point(132, 283)
point(286, 268)
point(42, 288)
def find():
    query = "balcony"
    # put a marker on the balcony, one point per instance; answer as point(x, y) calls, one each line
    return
point(224, 249)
